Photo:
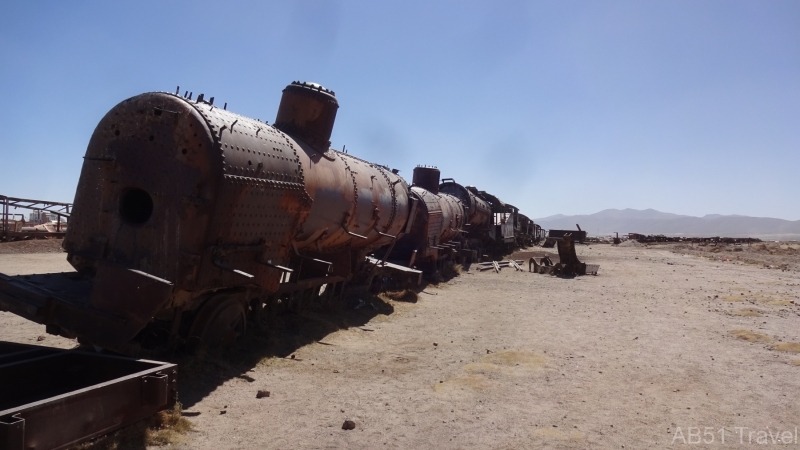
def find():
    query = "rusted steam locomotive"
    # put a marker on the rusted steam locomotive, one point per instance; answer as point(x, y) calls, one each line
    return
point(190, 222)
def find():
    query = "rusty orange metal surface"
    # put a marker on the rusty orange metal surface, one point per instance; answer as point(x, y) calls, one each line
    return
point(478, 211)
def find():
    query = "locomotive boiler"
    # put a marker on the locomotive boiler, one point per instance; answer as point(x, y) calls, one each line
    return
point(477, 210)
point(478, 227)
point(437, 223)
point(190, 219)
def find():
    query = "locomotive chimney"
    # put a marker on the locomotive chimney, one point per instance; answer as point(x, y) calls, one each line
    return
point(427, 178)
point(307, 111)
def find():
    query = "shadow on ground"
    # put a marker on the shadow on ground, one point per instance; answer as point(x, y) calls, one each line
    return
point(202, 373)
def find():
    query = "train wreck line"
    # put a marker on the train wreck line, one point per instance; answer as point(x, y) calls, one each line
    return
point(191, 221)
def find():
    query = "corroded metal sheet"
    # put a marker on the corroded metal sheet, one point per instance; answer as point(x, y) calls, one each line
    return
point(356, 204)
point(453, 217)
point(434, 215)
point(568, 264)
point(54, 399)
point(478, 211)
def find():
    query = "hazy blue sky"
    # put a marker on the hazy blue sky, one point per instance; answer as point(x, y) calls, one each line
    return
point(690, 107)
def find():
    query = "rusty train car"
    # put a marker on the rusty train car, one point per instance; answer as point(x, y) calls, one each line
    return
point(527, 232)
point(456, 223)
point(191, 222)
point(436, 225)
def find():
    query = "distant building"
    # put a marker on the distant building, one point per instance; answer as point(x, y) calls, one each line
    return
point(38, 217)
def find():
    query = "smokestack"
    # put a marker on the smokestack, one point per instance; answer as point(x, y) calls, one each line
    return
point(308, 111)
point(427, 178)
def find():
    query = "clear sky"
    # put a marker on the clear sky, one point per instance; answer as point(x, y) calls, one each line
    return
point(690, 107)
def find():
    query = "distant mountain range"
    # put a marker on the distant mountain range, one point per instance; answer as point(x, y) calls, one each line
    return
point(650, 221)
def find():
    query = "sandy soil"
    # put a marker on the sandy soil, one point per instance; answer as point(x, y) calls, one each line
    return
point(657, 343)
point(14, 328)
point(32, 246)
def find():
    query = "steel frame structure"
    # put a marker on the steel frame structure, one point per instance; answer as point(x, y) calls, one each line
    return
point(59, 209)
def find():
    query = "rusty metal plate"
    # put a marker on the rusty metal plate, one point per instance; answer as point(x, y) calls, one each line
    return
point(108, 309)
point(478, 211)
point(86, 394)
point(434, 213)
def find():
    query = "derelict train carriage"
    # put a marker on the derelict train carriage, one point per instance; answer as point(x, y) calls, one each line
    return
point(527, 232)
point(436, 225)
point(191, 221)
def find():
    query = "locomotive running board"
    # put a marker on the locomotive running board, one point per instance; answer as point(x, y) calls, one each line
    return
point(108, 309)
point(54, 399)
point(389, 268)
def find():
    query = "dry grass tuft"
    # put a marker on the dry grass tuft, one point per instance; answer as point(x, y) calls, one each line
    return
point(451, 270)
point(750, 336)
point(475, 382)
point(777, 302)
point(164, 428)
point(515, 358)
point(791, 347)
point(405, 295)
point(770, 255)
point(747, 312)
point(168, 427)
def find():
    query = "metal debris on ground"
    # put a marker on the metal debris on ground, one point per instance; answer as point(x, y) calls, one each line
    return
point(591, 269)
point(577, 235)
point(549, 243)
point(568, 264)
point(498, 265)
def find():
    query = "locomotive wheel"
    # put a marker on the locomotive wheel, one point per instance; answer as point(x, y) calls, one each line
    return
point(220, 323)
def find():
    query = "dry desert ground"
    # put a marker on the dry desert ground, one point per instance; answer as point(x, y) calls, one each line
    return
point(662, 349)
